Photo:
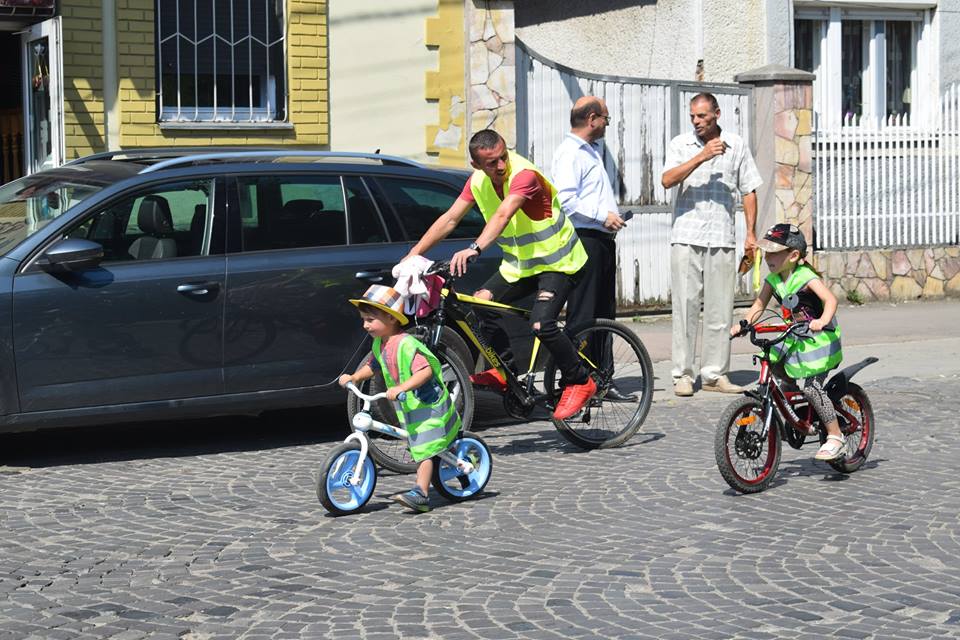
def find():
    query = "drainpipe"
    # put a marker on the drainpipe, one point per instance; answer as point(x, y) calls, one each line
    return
point(111, 82)
point(698, 40)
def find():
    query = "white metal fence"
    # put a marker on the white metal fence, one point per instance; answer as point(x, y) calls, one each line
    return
point(889, 183)
point(644, 116)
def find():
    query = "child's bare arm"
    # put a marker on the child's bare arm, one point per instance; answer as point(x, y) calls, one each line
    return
point(418, 379)
point(829, 304)
point(361, 374)
point(757, 307)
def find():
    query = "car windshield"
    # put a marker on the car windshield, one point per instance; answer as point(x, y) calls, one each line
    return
point(31, 202)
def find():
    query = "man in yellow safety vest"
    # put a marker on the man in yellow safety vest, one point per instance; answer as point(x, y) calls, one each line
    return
point(541, 253)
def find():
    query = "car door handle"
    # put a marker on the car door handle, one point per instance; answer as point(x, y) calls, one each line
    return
point(198, 288)
point(373, 276)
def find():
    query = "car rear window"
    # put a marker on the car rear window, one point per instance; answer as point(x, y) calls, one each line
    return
point(418, 203)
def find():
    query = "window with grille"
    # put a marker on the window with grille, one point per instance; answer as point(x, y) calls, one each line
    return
point(220, 61)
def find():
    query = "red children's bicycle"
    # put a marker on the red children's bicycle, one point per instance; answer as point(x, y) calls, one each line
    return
point(750, 431)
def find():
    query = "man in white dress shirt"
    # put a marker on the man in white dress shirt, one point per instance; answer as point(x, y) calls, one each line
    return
point(711, 167)
point(587, 197)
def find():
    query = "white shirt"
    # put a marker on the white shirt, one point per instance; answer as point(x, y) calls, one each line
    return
point(583, 186)
point(706, 199)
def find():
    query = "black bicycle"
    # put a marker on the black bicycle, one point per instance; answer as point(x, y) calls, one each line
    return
point(612, 352)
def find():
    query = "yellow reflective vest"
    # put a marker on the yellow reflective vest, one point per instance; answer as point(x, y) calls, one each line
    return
point(530, 246)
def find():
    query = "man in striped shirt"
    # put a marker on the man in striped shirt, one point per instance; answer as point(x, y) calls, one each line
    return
point(711, 168)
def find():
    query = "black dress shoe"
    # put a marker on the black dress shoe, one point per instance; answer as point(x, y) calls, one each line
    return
point(614, 394)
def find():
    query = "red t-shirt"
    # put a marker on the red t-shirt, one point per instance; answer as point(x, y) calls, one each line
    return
point(530, 186)
point(389, 349)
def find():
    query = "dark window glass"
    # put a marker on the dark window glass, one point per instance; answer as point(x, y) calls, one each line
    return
point(852, 66)
point(289, 212)
point(366, 226)
point(805, 38)
point(169, 221)
point(419, 203)
point(899, 66)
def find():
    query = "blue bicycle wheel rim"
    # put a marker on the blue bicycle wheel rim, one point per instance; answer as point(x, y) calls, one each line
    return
point(450, 476)
point(342, 494)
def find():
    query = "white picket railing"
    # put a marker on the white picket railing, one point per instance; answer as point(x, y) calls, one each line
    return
point(889, 183)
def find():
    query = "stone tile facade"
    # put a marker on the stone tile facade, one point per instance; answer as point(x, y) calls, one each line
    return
point(793, 115)
point(891, 274)
point(492, 68)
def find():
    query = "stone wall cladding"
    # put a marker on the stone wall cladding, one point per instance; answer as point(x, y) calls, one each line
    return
point(891, 274)
point(493, 97)
point(308, 106)
point(793, 115)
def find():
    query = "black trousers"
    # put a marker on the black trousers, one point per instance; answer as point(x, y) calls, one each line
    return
point(595, 295)
point(552, 289)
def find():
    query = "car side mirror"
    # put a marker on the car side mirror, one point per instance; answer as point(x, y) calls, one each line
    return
point(71, 254)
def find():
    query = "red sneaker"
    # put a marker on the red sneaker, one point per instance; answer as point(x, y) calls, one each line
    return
point(490, 378)
point(574, 397)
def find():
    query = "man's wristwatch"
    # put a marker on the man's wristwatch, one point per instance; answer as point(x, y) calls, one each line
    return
point(475, 247)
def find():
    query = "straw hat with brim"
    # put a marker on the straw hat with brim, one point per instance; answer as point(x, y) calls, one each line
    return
point(384, 298)
point(783, 236)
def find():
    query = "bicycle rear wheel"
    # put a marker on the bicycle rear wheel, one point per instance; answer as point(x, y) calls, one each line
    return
point(620, 365)
point(856, 421)
point(392, 453)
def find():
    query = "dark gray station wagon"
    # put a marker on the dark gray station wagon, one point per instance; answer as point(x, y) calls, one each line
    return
point(154, 284)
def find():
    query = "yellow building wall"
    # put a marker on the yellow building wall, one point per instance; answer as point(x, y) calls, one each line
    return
point(446, 140)
point(307, 82)
point(82, 77)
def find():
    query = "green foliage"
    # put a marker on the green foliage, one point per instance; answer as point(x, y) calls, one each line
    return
point(854, 297)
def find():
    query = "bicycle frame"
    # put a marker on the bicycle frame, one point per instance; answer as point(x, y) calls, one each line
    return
point(364, 422)
point(461, 308)
point(774, 398)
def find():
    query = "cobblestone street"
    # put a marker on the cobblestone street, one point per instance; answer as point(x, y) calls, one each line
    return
point(213, 530)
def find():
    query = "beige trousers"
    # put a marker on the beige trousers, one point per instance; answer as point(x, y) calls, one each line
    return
point(710, 273)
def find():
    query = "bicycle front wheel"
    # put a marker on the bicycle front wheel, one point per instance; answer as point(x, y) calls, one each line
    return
point(747, 458)
point(621, 367)
point(335, 485)
point(392, 453)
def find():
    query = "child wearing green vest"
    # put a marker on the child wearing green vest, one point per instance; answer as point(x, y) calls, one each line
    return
point(808, 358)
point(427, 410)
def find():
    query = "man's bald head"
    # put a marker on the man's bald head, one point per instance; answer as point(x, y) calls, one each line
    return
point(583, 108)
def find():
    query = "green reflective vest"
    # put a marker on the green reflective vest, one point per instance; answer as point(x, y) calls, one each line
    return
point(805, 357)
point(530, 246)
point(431, 427)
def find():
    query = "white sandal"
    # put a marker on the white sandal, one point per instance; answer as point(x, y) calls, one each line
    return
point(831, 449)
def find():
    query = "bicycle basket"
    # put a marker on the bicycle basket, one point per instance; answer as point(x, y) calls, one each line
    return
point(423, 304)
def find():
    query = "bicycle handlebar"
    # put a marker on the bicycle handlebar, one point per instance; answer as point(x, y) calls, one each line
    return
point(797, 328)
point(360, 394)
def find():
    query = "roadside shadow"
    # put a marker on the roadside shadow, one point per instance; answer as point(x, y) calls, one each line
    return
point(808, 468)
point(173, 439)
point(743, 377)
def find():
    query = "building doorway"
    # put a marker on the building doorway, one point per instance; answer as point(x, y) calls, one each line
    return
point(11, 107)
point(43, 95)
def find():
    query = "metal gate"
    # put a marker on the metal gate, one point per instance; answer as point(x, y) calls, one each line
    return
point(644, 115)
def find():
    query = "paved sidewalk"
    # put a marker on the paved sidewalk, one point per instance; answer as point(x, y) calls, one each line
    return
point(913, 339)
point(210, 530)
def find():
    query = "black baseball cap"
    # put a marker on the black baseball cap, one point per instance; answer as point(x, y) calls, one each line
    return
point(783, 236)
